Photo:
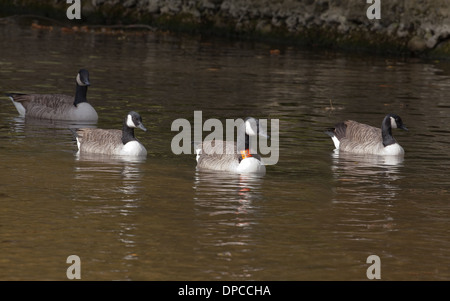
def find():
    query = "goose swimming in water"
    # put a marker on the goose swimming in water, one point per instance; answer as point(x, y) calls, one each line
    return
point(58, 106)
point(228, 155)
point(354, 137)
point(112, 141)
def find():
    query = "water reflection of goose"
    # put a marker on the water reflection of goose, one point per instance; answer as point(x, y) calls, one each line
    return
point(226, 213)
point(366, 177)
point(93, 157)
point(346, 160)
point(362, 167)
point(366, 189)
point(218, 190)
point(43, 134)
point(113, 206)
point(21, 124)
point(125, 167)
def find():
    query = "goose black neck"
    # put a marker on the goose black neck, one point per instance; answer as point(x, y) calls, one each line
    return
point(127, 133)
point(386, 132)
point(242, 145)
point(80, 95)
point(247, 141)
point(248, 150)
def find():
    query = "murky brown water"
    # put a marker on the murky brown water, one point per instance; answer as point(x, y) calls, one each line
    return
point(313, 216)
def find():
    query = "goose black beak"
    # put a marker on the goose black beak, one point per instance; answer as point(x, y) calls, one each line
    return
point(262, 133)
point(404, 128)
point(142, 127)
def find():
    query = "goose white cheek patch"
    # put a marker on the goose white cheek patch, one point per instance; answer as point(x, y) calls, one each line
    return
point(250, 128)
point(79, 80)
point(130, 122)
point(393, 123)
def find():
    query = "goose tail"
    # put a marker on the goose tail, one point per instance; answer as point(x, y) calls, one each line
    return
point(75, 136)
point(197, 148)
point(332, 133)
point(20, 108)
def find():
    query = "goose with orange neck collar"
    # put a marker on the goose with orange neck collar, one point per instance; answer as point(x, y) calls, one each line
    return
point(230, 156)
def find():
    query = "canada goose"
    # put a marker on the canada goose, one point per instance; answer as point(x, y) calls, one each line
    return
point(111, 141)
point(228, 156)
point(351, 136)
point(57, 106)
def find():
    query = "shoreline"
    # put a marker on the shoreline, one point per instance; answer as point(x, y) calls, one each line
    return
point(404, 29)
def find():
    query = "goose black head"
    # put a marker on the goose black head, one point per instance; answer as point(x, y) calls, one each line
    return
point(396, 122)
point(252, 128)
point(134, 120)
point(83, 78)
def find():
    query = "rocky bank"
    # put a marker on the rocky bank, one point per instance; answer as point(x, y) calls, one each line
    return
point(420, 27)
